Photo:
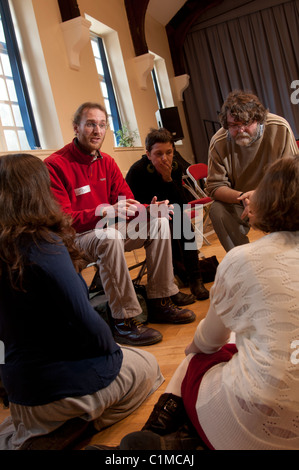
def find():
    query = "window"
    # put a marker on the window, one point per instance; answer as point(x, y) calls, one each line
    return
point(106, 83)
point(157, 89)
point(17, 126)
point(161, 83)
point(115, 77)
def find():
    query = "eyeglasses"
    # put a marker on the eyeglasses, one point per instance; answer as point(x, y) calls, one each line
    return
point(236, 127)
point(93, 125)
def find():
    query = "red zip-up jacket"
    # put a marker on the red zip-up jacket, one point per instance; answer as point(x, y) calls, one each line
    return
point(80, 183)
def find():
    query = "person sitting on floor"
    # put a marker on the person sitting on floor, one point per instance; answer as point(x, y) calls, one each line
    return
point(90, 187)
point(159, 174)
point(62, 365)
point(242, 394)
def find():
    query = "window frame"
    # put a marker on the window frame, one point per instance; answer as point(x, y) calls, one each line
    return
point(19, 76)
point(107, 79)
point(157, 89)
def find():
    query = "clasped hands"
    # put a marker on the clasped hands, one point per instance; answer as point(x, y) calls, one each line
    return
point(128, 208)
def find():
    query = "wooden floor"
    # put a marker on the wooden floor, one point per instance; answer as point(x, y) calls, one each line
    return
point(169, 353)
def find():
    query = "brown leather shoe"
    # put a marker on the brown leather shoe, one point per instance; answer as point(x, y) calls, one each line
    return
point(198, 289)
point(180, 299)
point(165, 311)
point(132, 332)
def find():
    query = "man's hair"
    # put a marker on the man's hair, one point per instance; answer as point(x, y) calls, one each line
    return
point(275, 203)
point(88, 105)
point(244, 107)
point(160, 136)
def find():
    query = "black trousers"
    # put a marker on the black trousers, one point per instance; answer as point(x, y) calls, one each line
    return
point(185, 261)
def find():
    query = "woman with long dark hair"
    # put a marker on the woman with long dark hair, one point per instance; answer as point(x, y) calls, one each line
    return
point(61, 361)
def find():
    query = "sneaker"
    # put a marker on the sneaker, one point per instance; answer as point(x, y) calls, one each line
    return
point(165, 311)
point(132, 332)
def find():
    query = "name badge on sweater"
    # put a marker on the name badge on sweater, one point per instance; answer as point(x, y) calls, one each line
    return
point(83, 190)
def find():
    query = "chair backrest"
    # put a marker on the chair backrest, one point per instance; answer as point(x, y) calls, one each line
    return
point(197, 172)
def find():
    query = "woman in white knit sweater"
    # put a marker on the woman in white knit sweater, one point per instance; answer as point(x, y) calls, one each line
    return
point(243, 395)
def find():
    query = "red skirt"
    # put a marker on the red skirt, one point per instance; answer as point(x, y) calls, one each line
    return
point(198, 366)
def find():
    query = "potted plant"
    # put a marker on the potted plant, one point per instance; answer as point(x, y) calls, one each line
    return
point(125, 137)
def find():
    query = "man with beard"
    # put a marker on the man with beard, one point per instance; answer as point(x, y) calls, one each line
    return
point(249, 140)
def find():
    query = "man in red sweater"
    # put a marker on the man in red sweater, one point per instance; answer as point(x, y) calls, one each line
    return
point(90, 187)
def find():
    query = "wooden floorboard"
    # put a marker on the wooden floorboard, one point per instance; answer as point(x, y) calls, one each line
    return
point(169, 352)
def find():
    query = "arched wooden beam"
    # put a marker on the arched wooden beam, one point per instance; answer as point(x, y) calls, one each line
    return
point(68, 9)
point(136, 11)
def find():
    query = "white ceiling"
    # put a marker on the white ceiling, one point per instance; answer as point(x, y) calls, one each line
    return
point(164, 10)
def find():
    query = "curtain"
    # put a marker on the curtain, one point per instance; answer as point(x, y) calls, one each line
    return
point(257, 51)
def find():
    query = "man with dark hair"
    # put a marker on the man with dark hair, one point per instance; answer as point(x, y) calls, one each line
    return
point(159, 173)
point(250, 138)
point(90, 187)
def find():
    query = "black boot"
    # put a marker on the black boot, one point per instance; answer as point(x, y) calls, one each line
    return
point(167, 416)
point(167, 428)
point(148, 440)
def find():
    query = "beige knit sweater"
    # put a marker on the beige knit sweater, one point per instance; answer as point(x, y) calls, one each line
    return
point(252, 402)
point(242, 168)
